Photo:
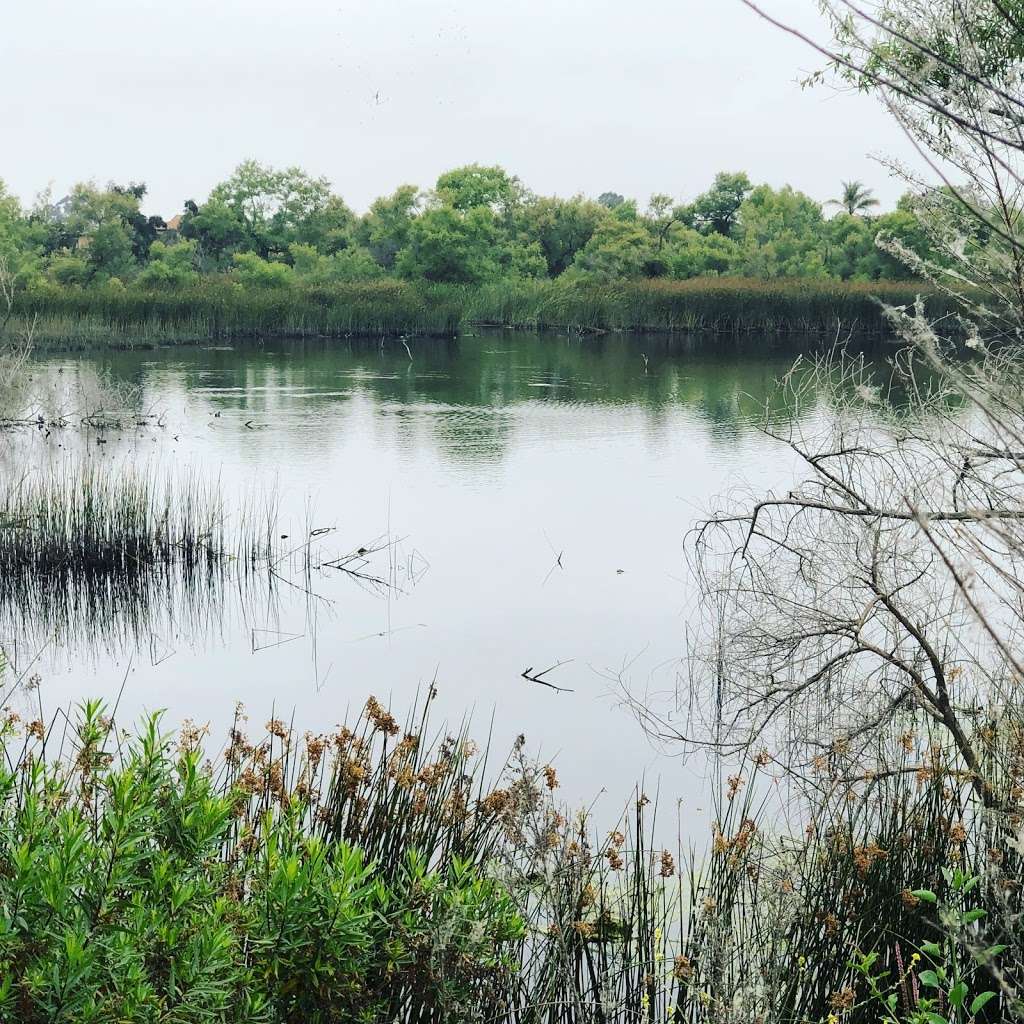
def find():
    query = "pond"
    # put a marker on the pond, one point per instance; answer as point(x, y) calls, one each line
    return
point(523, 501)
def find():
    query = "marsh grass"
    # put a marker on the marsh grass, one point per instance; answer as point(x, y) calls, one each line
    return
point(88, 519)
point(215, 309)
point(712, 305)
point(770, 921)
point(218, 309)
point(88, 547)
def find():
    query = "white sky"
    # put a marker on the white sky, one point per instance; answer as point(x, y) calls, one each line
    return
point(571, 95)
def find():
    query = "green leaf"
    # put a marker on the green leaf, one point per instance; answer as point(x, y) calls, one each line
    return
point(980, 1001)
point(957, 994)
point(926, 895)
point(932, 949)
point(973, 915)
point(935, 1018)
point(929, 978)
point(994, 951)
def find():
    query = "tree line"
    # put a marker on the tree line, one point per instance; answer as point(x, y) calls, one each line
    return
point(274, 228)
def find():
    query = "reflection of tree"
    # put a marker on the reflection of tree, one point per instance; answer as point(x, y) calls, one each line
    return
point(458, 385)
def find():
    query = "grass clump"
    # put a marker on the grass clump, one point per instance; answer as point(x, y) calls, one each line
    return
point(84, 519)
point(92, 550)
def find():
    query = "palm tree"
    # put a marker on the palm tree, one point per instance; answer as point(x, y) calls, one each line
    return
point(856, 198)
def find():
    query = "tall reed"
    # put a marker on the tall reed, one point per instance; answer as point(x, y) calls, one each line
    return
point(216, 308)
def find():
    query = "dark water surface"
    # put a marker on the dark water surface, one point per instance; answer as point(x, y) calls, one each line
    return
point(533, 494)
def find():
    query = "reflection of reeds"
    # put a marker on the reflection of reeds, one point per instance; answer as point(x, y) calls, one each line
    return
point(97, 558)
point(86, 549)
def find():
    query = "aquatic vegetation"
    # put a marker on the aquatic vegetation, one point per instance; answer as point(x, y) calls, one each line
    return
point(84, 519)
point(141, 885)
point(95, 556)
point(379, 870)
point(711, 305)
point(217, 308)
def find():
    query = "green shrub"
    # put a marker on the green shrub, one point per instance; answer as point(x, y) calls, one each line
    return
point(139, 884)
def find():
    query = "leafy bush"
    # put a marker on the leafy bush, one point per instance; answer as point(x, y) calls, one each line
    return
point(139, 884)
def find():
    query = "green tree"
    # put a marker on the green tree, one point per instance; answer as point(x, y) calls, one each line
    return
point(352, 264)
point(109, 227)
point(848, 242)
point(69, 269)
point(617, 249)
point(562, 227)
point(170, 266)
point(523, 259)
point(274, 206)
point(718, 209)
point(904, 231)
point(691, 254)
point(662, 218)
point(446, 244)
point(855, 199)
point(474, 185)
point(91, 207)
point(142, 230)
point(385, 228)
point(19, 239)
point(110, 252)
point(216, 229)
point(253, 271)
point(609, 200)
point(781, 234)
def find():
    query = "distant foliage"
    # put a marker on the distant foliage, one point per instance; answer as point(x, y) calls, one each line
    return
point(276, 252)
point(477, 224)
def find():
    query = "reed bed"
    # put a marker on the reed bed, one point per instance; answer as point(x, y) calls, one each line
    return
point(711, 305)
point(101, 550)
point(85, 520)
point(219, 309)
point(385, 872)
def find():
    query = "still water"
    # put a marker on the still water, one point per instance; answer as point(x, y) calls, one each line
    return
point(530, 497)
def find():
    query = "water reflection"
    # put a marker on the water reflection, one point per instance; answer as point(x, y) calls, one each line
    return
point(474, 379)
point(483, 458)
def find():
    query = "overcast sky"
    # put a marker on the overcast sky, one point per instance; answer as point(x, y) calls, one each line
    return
point(571, 95)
